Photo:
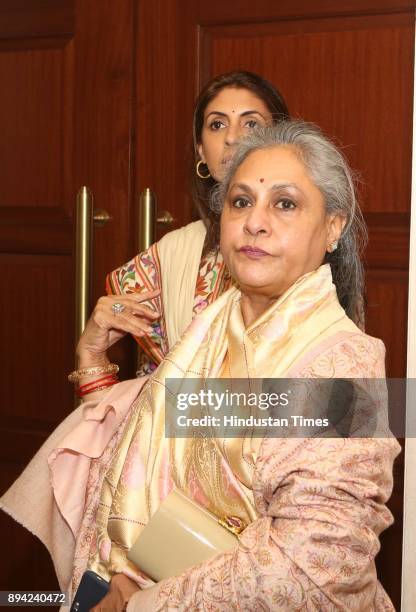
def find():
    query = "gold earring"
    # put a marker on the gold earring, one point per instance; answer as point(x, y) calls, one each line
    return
point(202, 176)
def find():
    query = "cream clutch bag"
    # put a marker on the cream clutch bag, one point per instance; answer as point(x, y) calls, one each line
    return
point(180, 534)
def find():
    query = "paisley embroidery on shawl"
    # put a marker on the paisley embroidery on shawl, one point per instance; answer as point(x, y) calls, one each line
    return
point(142, 273)
point(277, 565)
point(213, 280)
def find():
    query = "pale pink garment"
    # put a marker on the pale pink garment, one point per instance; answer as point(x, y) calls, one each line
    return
point(321, 505)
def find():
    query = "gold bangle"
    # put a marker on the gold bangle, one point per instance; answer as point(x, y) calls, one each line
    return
point(111, 368)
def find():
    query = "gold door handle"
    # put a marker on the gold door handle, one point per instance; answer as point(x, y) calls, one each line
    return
point(83, 251)
point(147, 219)
point(86, 217)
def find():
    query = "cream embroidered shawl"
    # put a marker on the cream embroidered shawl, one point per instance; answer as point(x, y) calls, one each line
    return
point(220, 473)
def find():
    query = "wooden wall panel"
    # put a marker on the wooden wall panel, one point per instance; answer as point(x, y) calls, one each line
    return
point(36, 236)
point(387, 292)
point(345, 74)
point(36, 147)
point(104, 134)
point(32, 127)
point(65, 121)
point(388, 240)
point(18, 18)
point(30, 568)
point(37, 395)
point(36, 242)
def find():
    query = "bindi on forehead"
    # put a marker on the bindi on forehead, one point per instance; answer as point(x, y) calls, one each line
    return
point(261, 180)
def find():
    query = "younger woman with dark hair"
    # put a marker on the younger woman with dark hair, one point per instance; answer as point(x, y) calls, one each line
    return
point(184, 272)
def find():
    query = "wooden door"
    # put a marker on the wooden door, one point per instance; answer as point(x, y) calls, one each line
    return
point(65, 120)
point(345, 65)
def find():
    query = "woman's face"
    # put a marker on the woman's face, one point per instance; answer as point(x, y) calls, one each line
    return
point(229, 116)
point(274, 226)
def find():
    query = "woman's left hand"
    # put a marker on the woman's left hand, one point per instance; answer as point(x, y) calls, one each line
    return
point(121, 589)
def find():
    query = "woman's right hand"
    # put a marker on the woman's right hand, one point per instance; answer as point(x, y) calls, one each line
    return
point(116, 600)
point(105, 328)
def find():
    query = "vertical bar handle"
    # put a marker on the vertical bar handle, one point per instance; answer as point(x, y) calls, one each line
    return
point(146, 221)
point(83, 251)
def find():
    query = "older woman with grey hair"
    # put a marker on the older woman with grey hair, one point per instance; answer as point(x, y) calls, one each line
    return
point(332, 175)
point(311, 508)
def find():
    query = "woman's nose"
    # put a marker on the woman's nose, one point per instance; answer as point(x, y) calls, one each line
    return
point(257, 221)
point(232, 135)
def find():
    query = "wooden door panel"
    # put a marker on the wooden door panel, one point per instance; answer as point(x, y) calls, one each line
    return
point(30, 569)
point(36, 72)
point(387, 314)
point(35, 229)
point(38, 284)
point(65, 120)
point(23, 18)
point(66, 70)
point(32, 100)
point(338, 73)
point(104, 133)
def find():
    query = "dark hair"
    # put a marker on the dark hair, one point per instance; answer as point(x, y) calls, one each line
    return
point(330, 172)
point(201, 188)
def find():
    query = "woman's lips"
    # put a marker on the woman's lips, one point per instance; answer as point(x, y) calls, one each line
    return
point(253, 252)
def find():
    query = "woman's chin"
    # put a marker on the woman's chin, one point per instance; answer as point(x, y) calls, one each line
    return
point(258, 287)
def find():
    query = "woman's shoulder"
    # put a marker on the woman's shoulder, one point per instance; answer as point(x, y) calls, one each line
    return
point(348, 354)
point(138, 274)
point(143, 270)
point(196, 229)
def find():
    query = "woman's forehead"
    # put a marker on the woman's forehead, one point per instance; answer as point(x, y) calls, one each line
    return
point(237, 99)
point(273, 162)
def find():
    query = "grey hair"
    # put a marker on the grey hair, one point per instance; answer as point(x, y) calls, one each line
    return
point(332, 175)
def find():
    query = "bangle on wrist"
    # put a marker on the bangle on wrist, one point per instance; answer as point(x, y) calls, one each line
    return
point(98, 387)
point(93, 383)
point(110, 368)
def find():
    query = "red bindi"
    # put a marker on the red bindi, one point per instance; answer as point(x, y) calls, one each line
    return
point(261, 180)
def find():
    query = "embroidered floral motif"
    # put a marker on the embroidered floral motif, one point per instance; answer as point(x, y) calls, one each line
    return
point(142, 273)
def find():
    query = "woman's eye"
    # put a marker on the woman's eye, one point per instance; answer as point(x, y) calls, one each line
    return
point(240, 203)
point(286, 204)
point(216, 125)
point(251, 123)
